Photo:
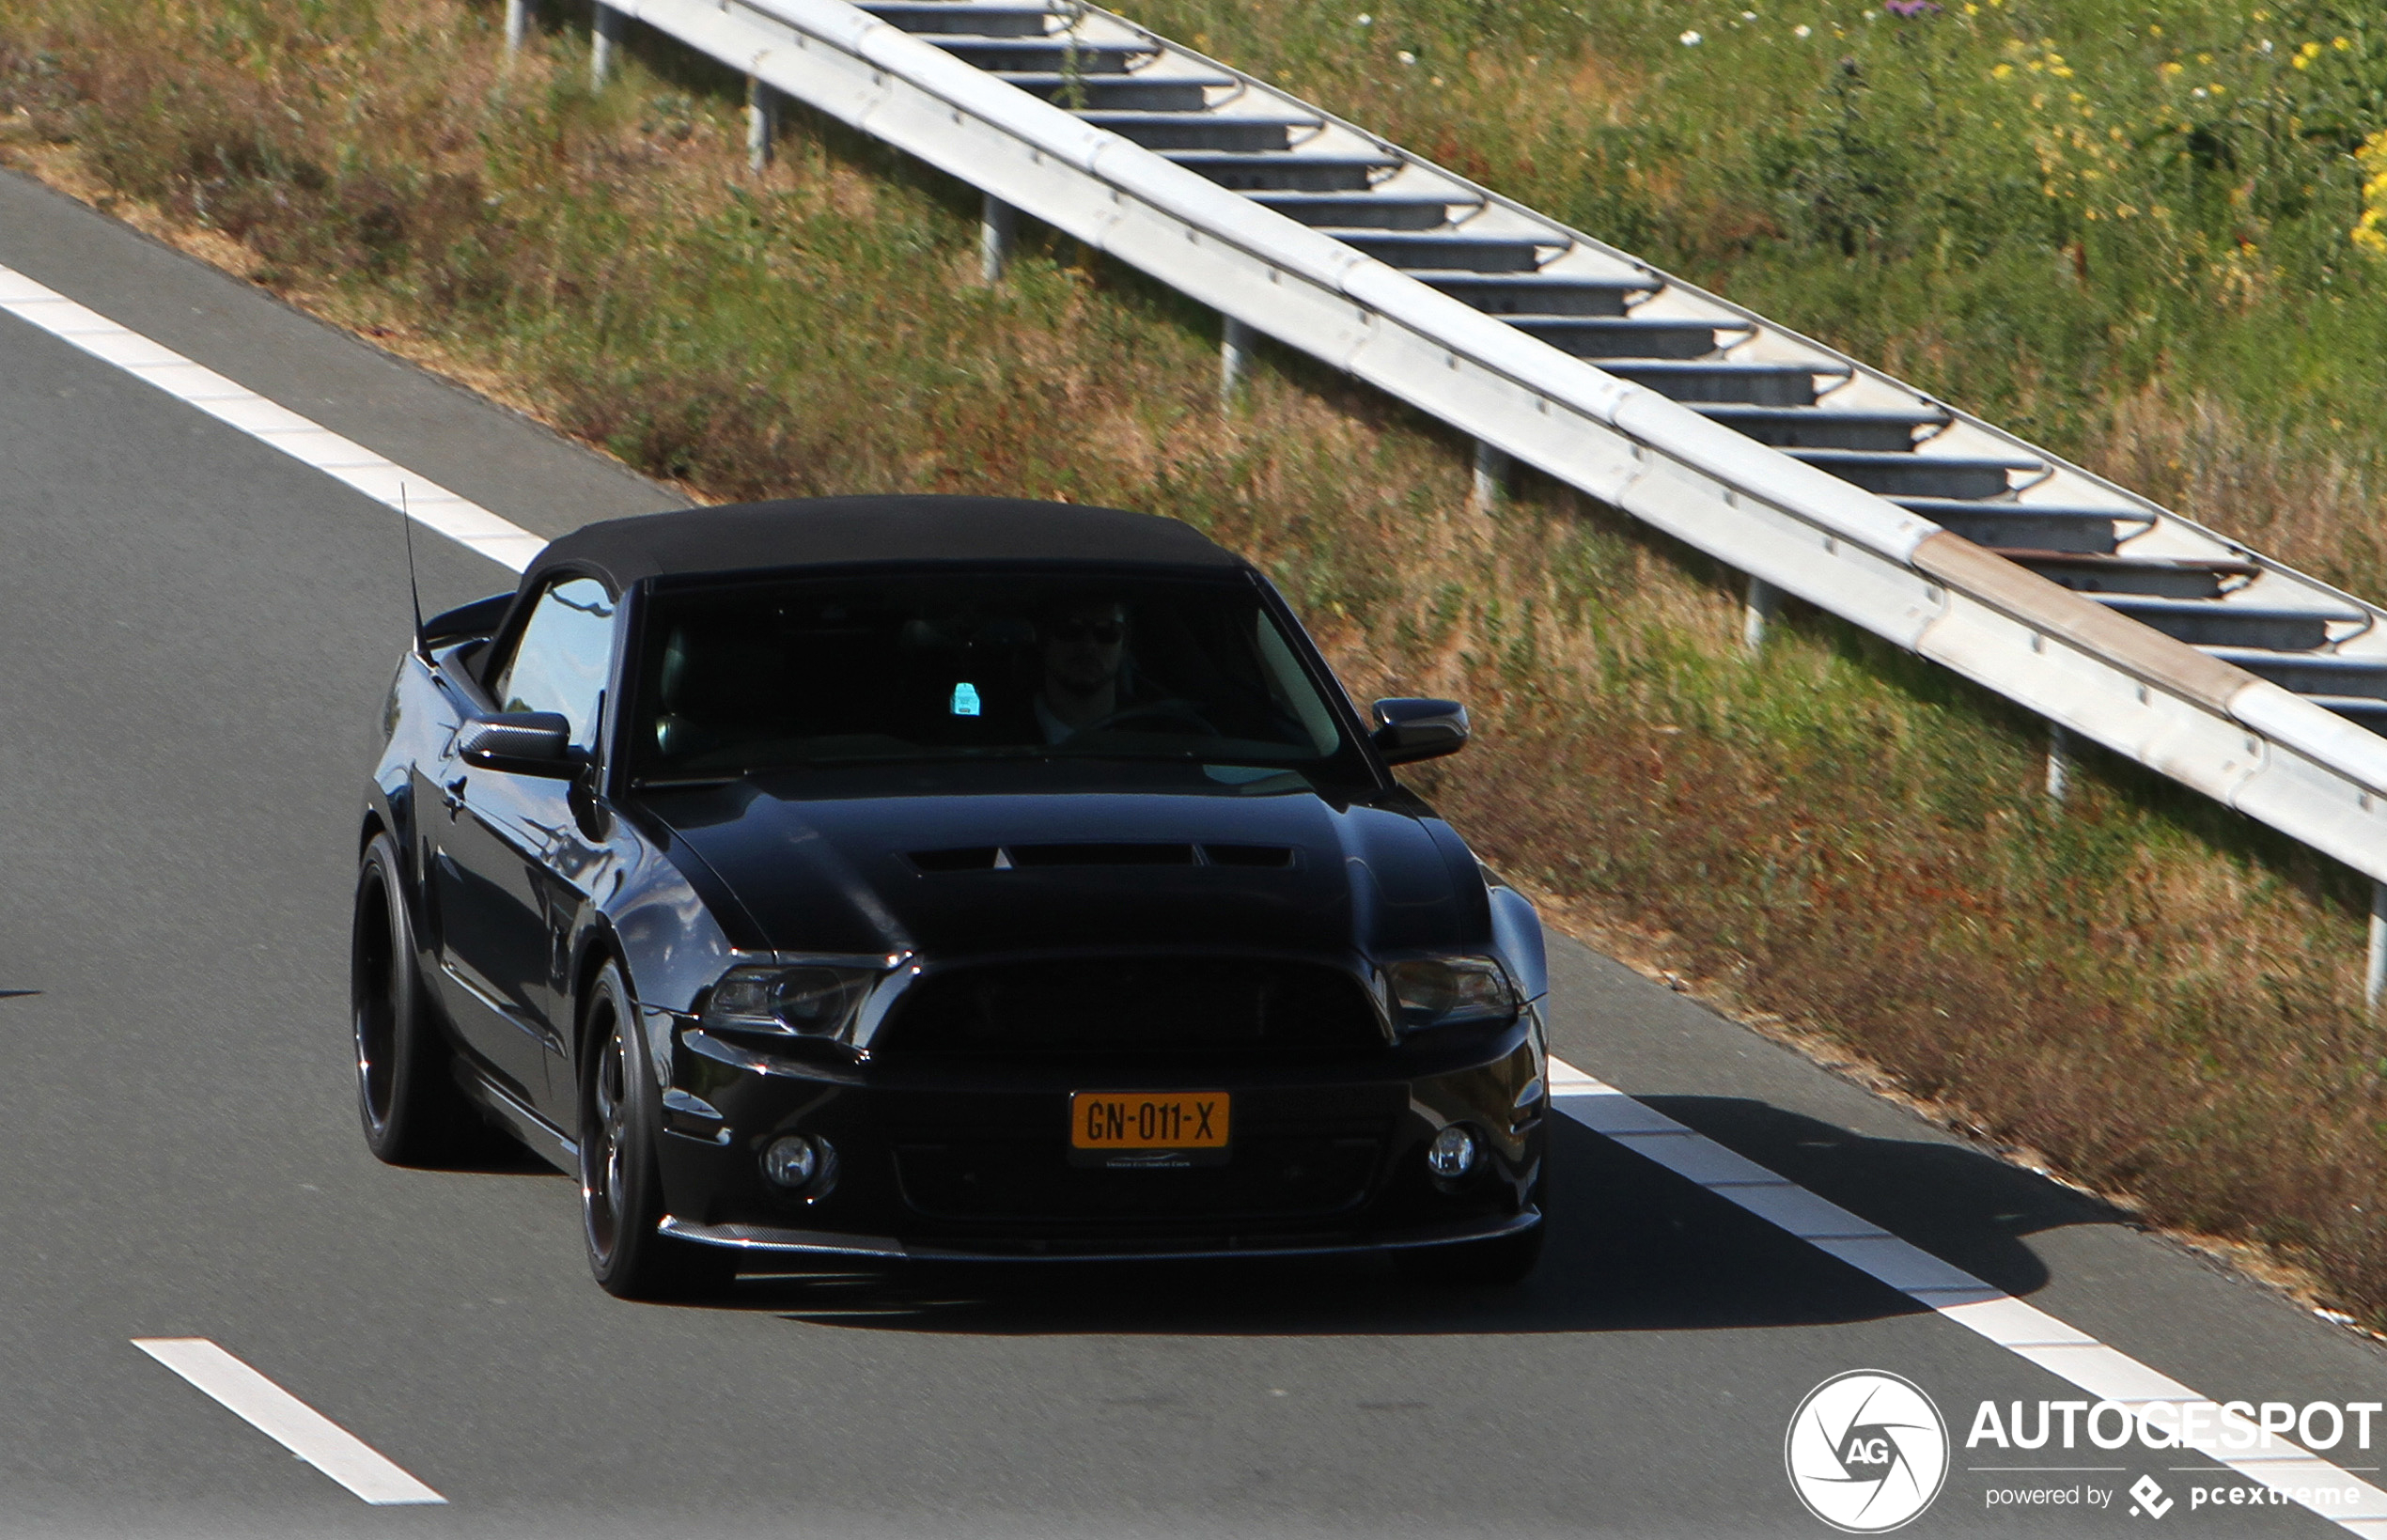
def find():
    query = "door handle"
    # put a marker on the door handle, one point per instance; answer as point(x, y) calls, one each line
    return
point(452, 796)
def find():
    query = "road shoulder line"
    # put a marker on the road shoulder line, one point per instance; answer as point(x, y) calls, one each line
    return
point(421, 499)
point(1947, 1290)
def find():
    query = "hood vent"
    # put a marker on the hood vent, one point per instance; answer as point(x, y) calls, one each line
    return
point(1002, 858)
point(1273, 857)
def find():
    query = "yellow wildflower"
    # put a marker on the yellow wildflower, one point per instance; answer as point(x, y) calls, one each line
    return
point(2001, 71)
point(2367, 234)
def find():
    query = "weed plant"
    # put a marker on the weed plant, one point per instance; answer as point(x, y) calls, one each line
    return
point(1830, 835)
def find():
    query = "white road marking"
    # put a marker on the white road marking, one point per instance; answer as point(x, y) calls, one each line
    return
point(287, 1420)
point(1979, 1307)
point(426, 501)
point(1985, 1308)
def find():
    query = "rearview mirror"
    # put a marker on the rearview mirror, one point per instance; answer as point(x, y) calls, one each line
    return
point(1412, 729)
point(524, 742)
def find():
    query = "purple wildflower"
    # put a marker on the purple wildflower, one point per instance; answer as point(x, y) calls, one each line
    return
point(1910, 9)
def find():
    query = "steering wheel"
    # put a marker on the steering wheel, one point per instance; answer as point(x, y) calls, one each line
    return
point(1181, 712)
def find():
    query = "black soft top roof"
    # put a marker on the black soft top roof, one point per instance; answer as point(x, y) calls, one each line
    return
point(805, 532)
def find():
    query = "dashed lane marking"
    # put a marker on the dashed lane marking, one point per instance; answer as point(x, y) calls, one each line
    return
point(1979, 1307)
point(287, 1420)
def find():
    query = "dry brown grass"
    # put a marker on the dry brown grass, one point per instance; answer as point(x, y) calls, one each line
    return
point(1832, 838)
point(2305, 496)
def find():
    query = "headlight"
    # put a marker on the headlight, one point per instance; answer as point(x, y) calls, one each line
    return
point(806, 999)
point(1445, 991)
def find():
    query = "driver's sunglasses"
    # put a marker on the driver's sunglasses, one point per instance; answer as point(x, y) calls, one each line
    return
point(1108, 633)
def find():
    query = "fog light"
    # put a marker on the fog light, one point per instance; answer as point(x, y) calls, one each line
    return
point(1453, 1152)
point(792, 1161)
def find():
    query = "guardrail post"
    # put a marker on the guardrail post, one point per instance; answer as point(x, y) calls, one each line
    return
point(1492, 471)
point(762, 124)
point(998, 233)
point(604, 38)
point(2375, 972)
point(1757, 612)
point(518, 20)
point(2059, 764)
point(1234, 359)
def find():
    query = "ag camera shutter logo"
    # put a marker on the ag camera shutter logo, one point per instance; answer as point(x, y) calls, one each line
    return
point(1866, 1450)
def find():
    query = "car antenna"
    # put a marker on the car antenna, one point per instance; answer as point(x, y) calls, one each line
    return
point(414, 586)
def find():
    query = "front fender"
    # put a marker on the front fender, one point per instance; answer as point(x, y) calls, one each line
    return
point(1517, 934)
point(672, 946)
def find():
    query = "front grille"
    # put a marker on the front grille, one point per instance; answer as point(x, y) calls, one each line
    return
point(1306, 1153)
point(1265, 1179)
point(1135, 1006)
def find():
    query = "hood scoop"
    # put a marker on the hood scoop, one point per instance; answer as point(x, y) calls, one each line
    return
point(1003, 858)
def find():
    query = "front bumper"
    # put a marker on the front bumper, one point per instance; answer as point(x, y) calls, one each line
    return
point(970, 1160)
point(764, 1240)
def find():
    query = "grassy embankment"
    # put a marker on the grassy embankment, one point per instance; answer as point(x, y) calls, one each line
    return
point(2122, 229)
point(1830, 838)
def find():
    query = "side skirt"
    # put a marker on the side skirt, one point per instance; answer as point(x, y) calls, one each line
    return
point(545, 1140)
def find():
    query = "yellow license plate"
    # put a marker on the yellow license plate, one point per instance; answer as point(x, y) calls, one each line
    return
point(1127, 1121)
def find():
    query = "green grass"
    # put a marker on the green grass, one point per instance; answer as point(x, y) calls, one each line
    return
point(2161, 996)
point(2094, 223)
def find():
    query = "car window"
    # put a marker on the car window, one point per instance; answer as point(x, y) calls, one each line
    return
point(560, 662)
point(972, 666)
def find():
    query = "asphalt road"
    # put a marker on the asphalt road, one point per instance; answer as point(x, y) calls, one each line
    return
point(197, 633)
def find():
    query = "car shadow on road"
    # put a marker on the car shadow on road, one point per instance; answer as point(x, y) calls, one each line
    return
point(1632, 1248)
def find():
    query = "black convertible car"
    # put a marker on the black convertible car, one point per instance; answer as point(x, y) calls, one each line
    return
point(883, 878)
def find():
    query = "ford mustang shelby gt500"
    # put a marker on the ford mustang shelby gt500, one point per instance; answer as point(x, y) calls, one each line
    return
point(938, 878)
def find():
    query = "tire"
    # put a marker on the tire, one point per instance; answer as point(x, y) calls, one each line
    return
point(1477, 1264)
point(620, 1180)
point(406, 1093)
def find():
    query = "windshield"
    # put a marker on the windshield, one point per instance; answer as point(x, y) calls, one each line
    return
point(993, 664)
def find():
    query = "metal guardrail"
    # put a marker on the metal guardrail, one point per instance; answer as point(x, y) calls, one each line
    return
point(2112, 617)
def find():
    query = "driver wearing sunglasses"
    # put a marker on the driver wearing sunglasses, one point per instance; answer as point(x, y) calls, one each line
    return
point(1084, 643)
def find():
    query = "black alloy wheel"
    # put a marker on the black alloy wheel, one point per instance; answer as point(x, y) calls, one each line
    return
point(406, 1095)
point(621, 1181)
